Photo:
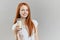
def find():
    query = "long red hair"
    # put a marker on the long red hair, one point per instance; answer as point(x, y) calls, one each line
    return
point(28, 20)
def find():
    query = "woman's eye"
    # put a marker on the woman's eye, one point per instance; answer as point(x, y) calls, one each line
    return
point(22, 10)
point(27, 10)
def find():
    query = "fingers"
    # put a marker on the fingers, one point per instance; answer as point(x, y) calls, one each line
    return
point(18, 28)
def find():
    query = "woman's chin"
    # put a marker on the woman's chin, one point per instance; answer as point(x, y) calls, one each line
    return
point(24, 16)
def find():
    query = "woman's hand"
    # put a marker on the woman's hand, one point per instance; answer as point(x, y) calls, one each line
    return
point(17, 28)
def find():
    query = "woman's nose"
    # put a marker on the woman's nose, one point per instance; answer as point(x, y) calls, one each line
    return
point(24, 11)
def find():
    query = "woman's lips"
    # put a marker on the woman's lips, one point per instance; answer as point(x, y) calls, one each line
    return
point(24, 14)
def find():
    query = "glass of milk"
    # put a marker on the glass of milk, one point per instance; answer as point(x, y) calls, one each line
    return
point(19, 23)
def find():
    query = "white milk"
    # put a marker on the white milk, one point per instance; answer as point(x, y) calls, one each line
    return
point(19, 23)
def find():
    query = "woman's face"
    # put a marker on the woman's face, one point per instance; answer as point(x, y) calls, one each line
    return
point(24, 11)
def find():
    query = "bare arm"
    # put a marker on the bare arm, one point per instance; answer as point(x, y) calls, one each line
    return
point(36, 34)
point(16, 33)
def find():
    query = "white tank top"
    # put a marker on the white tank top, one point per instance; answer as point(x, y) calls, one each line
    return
point(24, 33)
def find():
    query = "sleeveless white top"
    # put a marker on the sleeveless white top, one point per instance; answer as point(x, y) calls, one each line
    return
point(24, 32)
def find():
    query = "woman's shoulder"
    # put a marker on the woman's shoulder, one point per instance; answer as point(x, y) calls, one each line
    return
point(35, 22)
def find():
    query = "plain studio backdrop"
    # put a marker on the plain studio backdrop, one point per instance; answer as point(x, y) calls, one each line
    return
point(46, 12)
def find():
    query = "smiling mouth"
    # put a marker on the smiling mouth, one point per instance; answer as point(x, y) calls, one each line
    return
point(24, 14)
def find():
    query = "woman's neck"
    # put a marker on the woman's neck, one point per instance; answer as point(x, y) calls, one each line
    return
point(22, 19)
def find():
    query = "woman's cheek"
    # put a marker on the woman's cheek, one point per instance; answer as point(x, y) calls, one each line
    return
point(21, 13)
point(27, 13)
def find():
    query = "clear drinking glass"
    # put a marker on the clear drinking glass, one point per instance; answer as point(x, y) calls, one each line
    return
point(19, 24)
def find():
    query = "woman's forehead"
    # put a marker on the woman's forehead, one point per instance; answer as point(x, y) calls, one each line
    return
point(24, 7)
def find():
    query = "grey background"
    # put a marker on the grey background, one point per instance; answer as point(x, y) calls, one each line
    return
point(46, 12)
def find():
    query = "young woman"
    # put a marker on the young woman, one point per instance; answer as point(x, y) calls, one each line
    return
point(24, 27)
